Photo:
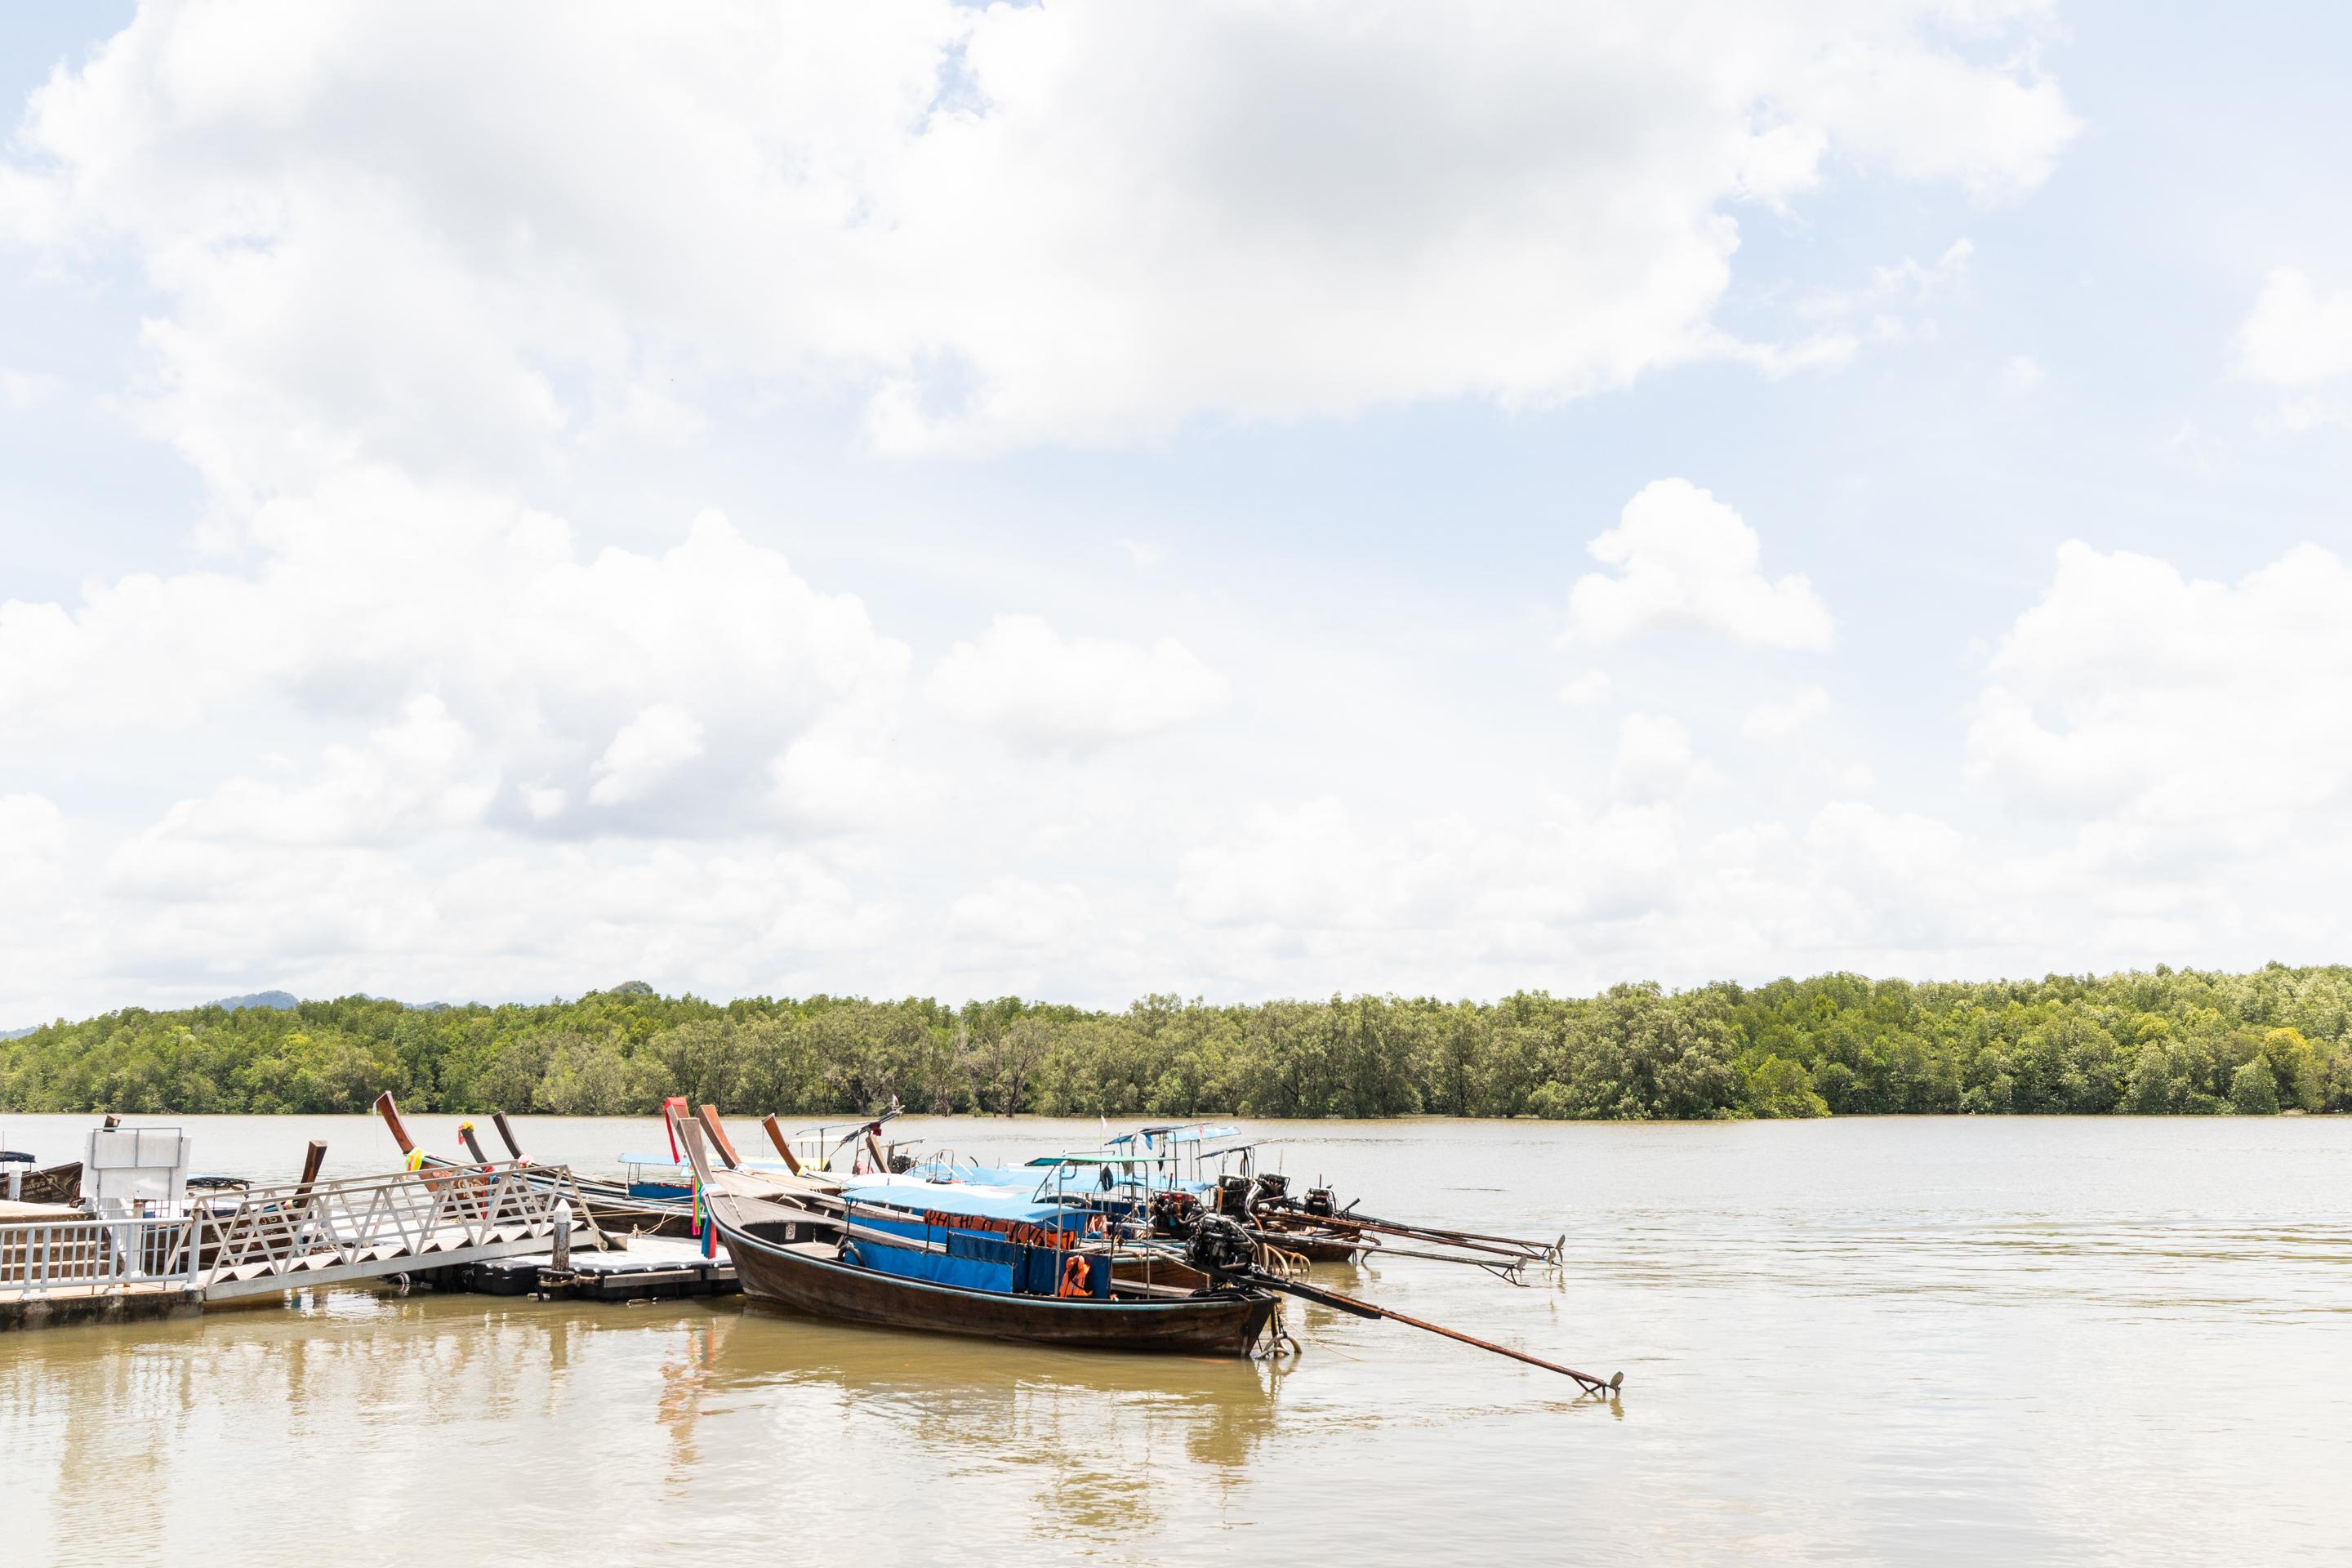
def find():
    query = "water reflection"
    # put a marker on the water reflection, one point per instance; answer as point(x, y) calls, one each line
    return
point(1086, 1436)
point(1851, 1343)
point(404, 1394)
point(687, 1374)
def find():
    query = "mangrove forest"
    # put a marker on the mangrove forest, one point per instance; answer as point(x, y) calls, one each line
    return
point(2160, 1042)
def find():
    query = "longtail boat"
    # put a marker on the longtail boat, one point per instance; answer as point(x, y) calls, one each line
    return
point(1318, 1229)
point(960, 1259)
point(47, 1184)
point(1160, 1175)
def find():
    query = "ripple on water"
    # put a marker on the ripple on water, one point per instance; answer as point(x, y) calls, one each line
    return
point(1965, 1340)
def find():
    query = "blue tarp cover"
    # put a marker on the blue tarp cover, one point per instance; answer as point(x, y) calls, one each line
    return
point(980, 1263)
point(972, 1273)
point(979, 1243)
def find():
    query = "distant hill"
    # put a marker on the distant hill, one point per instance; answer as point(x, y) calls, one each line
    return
point(277, 999)
point(281, 1001)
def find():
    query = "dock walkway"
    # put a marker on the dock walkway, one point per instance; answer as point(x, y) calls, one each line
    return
point(279, 1238)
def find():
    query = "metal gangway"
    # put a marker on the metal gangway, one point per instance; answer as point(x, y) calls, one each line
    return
point(302, 1234)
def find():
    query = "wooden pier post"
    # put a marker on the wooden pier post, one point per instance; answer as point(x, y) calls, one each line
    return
point(311, 1161)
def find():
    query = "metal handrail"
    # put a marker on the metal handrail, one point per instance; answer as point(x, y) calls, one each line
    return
point(284, 1229)
point(42, 1255)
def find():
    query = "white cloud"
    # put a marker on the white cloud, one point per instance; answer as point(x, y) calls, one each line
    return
point(1013, 911)
point(1317, 867)
point(1893, 306)
point(1924, 114)
point(376, 590)
point(2176, 730)
point(520, 762)
point(646, 752)
point(1906, 880)
point(2022, 373)
point(32, 833)
point(835, 777)
point(1907, 848)
point(2298, 338)
point(2189, 448)
point(1027, 683)
point(2296, 335)
point(1654, 761)
point(2179, 734)
point(1690, 561)
point(1066, 224)
point(420, 772)
point(23, 389)
point(187, 918)
point(1921, 282)
point(1779, 720)
point(1587, 689)
point(2180, 712)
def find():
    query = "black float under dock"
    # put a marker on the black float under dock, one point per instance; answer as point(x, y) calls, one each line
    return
point(648, 1269)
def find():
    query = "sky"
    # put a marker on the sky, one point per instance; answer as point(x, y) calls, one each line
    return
point(1247, 498)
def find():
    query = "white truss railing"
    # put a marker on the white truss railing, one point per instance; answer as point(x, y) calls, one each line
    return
point(82, 1256)
point(362, 1225)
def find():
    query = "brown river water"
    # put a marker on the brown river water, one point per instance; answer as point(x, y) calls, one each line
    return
point(1890, 1340)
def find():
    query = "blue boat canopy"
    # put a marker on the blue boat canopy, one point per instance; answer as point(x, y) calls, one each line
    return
point(1095, 1157)
point(986, 1203)
point(1189, 1132)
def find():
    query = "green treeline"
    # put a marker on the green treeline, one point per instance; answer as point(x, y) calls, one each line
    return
point(2147, 1043)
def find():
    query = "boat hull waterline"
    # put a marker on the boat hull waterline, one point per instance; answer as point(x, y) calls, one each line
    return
point(1224, 1323)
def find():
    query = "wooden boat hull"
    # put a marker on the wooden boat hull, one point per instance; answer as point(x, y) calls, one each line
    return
point(49, 1184)
point(636, 1216)
point(1225, 1323)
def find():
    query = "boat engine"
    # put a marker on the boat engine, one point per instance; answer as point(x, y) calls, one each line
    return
point(1220, 1247)
point(1320, 1202)
point(1173, 1213)
point(1232, 1194)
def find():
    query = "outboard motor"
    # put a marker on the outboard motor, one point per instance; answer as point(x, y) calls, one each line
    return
point(1220, 1247)
point(1272, 1186)
point(1232, 1194)
point(1319, 1201)
point(1174, 1212)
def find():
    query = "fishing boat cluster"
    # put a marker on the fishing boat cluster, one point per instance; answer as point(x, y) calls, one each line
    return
point(1171, 1237)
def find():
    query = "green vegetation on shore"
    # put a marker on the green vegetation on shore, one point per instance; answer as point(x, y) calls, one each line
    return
point(2167, 1041)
